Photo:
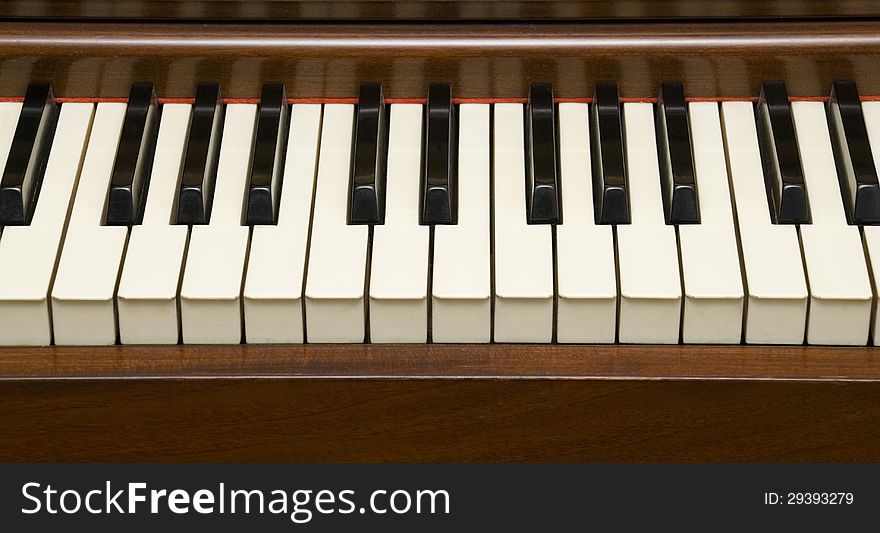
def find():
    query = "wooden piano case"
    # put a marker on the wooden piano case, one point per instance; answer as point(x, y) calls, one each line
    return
point(439, 403)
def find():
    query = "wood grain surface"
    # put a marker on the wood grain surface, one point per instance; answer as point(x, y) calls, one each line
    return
point(479, 60)
point(436, 10)
point(440, 403)
point(343, 420)
point(467, 361)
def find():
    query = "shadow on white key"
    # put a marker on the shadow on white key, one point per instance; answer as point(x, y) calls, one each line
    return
point(399, 268)
point(840, 290)
point(335, 281)
point(711, 276)
point(210, 295)
point(83, 295)
point(523, 252)
point(276, 266)
point(461, 306)
point(776, 311)
point(871, 234)
point(147, 294)
point(647, 252)
point(586, 278)
point(28, 254)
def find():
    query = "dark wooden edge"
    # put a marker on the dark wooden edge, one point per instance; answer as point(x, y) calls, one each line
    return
point(359, 10)
point(712, 59)
point(413, 420)
point(495, 361)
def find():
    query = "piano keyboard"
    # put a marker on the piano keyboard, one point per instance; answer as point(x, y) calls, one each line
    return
point(589, 221)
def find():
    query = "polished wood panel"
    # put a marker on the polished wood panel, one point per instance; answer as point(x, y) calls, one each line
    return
point(440, 403)
point(480, 60)
point(492, 361)
point(438, 421)
point(436, 10)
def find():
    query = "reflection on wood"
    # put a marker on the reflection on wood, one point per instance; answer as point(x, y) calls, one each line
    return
point(711, 59)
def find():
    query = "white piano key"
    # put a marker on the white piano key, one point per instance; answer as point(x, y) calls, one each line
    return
point(523, 252)
point(586, 278)
point(871, 234)
point(85, 285)
point(461, 305)
point(647, 252)
point(147, 296)
point(28, 254)
point(335, 280)
point(776, 310)
point(210, 295)
point(711, 277)
point(399, 263)
point(276, 265)
point(840, 290)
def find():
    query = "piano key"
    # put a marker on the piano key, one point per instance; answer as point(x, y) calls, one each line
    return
point(676, 157)
point(647, 254)
point(711, 276)
point(542, 185)
point(266, 164)
point(461, 288)
point(840, 290)
point(26, 162)
point(210, 295)
point(200, 161)
point(28, 254)
point(399, 262)
point(781, 156)
point(131, 170)
point(776, 309)
point(610, 197)
point(523, 251)
point(870, 234)
point(85, 284)
point(338, 252)
point(855, 167)
point(273, 306)
point(147, 299)
point(438, 195)
point(586, 277)
point(366, 203)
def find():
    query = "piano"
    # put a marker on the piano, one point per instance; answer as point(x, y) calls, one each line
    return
point(439, 231)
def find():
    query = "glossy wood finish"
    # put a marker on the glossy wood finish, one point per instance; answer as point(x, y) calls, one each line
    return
point(440, 403)
point(469, 361)
point(309, 420)
point(480, 60)
point(436, 10)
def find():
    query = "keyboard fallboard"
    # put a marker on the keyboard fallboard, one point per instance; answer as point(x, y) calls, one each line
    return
point(712, 59)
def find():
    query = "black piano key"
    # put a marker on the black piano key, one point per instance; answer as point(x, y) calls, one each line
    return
point(677, 174)
point(542, 188)
point(28, 155)
point(781, 157)
point(609, 170)
point(264, 186)
point(134, 157)
point(852, 151)
point(200, 160)
point(438, 197)
point(366, 203)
